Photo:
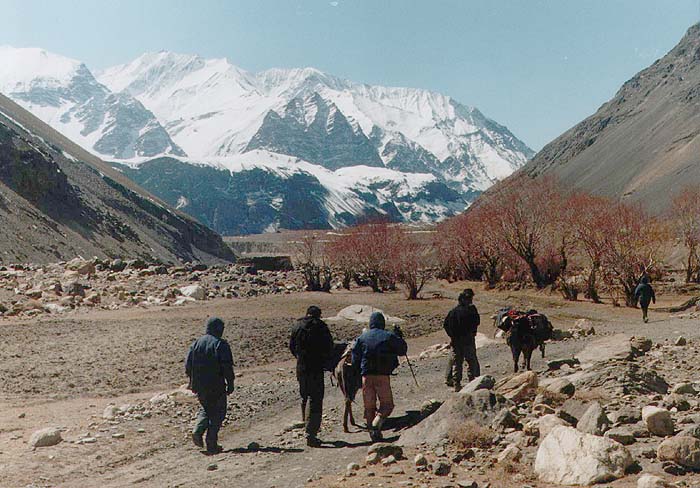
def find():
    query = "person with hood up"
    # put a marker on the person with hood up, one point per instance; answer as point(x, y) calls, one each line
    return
point(376, 354)
point(209, 366)
point(645, 294)
point(312, 344)
point(461, 325)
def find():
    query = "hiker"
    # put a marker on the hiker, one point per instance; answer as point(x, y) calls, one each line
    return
point(461, 324)
point(376, 353)
point(312, 344)
point(645, 294)
point(209, 366)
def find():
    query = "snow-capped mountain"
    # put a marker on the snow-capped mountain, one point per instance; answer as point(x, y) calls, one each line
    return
point(212, 108)
point(64, 93)
point(283, 148)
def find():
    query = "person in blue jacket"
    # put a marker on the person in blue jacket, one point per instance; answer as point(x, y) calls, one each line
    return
point(376, 353)
point(209, 366)
point(644, 293)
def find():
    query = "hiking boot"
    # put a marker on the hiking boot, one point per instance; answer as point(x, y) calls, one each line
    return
point(376, 435)
point(646, 320)
point(313, 441)
point(215, 450)
point(197, 439)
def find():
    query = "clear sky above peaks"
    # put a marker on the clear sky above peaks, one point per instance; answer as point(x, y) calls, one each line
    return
point(537, 66)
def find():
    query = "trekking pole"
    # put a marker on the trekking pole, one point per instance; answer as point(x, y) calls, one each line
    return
point(412, 372)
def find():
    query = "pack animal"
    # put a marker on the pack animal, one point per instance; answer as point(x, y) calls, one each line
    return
point(349, 382)
point(525, 332)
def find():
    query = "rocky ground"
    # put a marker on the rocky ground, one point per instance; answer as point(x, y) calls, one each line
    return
point(108, 383)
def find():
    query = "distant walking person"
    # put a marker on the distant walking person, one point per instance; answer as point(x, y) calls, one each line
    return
point(461, 325)
point(312, 344)
point(645, 294)
point(376, 353)
point(209, 366)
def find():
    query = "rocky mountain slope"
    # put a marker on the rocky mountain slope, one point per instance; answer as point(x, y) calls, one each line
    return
point(58, 201)
point(643, 144)
point(418, 156)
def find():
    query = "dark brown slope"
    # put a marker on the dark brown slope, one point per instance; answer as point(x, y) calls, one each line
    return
point(643, 144)
point(57, 201)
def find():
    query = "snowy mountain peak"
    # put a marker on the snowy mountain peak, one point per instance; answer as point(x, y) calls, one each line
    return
point(27, 68)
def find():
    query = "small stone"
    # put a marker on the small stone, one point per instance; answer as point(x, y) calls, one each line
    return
point(467, 484)
point(394, 470)
point(352, 467)
point(389, 460)
point(684, 389)
point(373, 458)
point(594, 420)
point(442, 468)
point(623, 435)
point(420, 460)
point(45, 437)
point(110, 412)
point(510, 454)
point(253, 446)
point(651, 481)
point(118, 435)
point(212, 467)
point(681, 341)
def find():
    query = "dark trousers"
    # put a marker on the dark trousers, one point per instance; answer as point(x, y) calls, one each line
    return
point(311, 390)
point(463, 349)
point(211, 415)
point(645, 312)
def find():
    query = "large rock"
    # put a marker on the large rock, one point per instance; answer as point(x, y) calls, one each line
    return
point(594, 420)
point(560, 386)
point(569, 457)
point(45, 437)
point(602, 350)
point(520, 387)
point(683, 450)
point(651, 481)
point(485, 382)
point(194, 291)
point(481, 406)
point(658, 420)
point(361, 314)
point(547, 423)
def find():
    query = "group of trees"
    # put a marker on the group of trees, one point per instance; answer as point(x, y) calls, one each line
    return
point(525, 231)
point(379, 255)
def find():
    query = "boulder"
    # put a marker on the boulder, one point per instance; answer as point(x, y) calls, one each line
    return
point(602, 350)
point(504, 420)
point(651, 481)
point(569, 457)
point(658, 420)
point(384, 450)
point(547, 423)
point(510, 454)
point(682, 450)
point(519, 387)
point(485, 382)
point(572, 410)
point(626, 415)
point(623, 435)
point(640, 345)
point(361, 314)
point(45, 437)
point(481, 406)
point(594, 420)
point(674, 400)
point(561, 386)
point(684, 389)
point(195, 292)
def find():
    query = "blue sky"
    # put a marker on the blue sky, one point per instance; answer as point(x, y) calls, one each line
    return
point(537, 66)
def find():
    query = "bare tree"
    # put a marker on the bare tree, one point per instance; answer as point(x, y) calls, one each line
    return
point(686, 219)
point(311, 258)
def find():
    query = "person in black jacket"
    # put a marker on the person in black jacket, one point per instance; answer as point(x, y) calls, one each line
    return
point(645, 294)
point(312, 344)
point(209, 366)
point(461, 325)
point(376, 353)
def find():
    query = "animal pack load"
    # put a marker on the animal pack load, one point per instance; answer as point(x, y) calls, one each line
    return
point(525, 331)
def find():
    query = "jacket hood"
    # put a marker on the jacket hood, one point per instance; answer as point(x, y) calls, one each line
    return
point(645, 280)
point(377, 321)
point(215, 327)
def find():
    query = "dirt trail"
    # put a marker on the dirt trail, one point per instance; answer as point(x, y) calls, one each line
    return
point(154, 449)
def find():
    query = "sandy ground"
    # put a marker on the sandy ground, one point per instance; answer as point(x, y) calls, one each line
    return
point(64, 372)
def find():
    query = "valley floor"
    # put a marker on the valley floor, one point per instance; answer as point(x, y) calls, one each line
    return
point(65, 372)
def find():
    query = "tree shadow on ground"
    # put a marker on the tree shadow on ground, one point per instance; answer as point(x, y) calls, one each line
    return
point(272, 449)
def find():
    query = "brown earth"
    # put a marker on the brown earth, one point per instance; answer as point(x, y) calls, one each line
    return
point(64, 371)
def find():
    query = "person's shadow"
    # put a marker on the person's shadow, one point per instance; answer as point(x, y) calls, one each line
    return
point(272, 449)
